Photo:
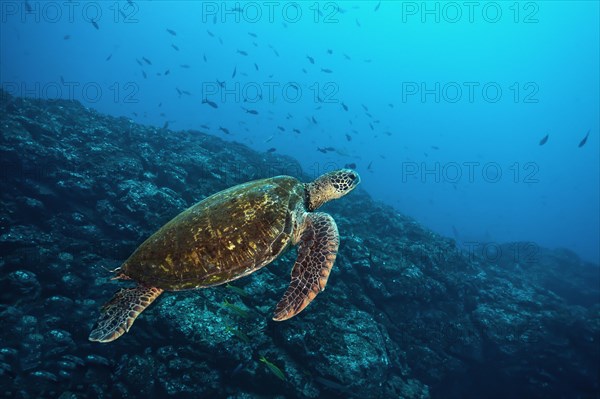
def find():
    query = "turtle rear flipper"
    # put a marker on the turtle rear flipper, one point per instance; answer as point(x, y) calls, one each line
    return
point(120, 312)
point(317, 251)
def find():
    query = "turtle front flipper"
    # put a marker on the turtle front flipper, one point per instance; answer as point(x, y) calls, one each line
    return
point(317, 250)
point(120, 312)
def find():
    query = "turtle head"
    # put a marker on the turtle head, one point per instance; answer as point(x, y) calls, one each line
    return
point(330, 186)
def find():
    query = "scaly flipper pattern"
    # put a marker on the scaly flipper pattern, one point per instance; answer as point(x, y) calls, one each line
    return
point(120, 312)
point(317, 251)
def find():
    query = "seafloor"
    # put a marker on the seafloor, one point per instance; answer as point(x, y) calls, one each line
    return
point(405, 314)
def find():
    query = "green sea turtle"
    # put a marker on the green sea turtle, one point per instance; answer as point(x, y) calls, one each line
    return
point(229, 235)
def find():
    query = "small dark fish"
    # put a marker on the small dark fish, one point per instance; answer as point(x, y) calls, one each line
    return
point(139, 62)
point(144, 75)
point(187, 93)
point(357, 23)
point(211, 103)
point(109, 57)
point(123, 15)
point(28, 7)
point(371, 126)
point(369, 165)
point(369, 115)
point(582, 143)
point(178, 91)
point(95, 25)
point(296, 131)
point(166, 125)
point(256, 66)
point(172, 32)
point(204, 57)
point(205, 126)
point(234, 72)
point(175, 47)
point(368, 61)
point(62, 80)
point(237, 369)
point(314, 120)
point(252, 34)
point(350, 166)
point(224, 130)
point(272, 149)
point(435, 147)
point(167, 72)
point(251, 111)
point(210, 33)
point(325, 150)
point(544, 140)
point(348, 137)
point(391, 105)
point(326, 70)
point(311, 59)
point(276, 53)
point(304, 70)
point(365, 107)
point(159, 105)
point(329, 51)
point(147, 61)
point(345, 107)
point(221, 84)
point(346, 56)
point(377, 6)
point(281, 128)
point(67, 37)
point(242, 52)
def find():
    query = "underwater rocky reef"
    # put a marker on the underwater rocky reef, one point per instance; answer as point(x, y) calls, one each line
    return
point(406, 314)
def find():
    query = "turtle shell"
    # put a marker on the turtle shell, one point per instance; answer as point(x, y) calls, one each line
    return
point(223, 237)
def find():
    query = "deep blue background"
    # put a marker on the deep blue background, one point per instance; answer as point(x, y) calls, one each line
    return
point(466, 164)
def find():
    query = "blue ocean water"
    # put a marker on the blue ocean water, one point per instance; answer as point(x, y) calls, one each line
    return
point(442, 106)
